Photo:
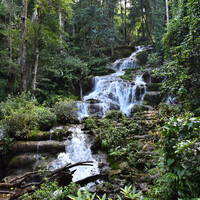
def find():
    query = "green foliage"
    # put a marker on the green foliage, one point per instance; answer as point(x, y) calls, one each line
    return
point(13, 103)
point(21, 114)
point(115, 115)
point(45, 118)
point(130, 193)
point(180, 143)
point(65, 110)
point(20, 122)
point(153, 61)
point(51, 191)
point(167, 111)
point(182, 51)
point(84, 196)
point(90, 123)
point(6, 143)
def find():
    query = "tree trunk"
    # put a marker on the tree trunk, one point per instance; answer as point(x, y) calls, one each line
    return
point(148, 32)
point(122, 18)
point(167, 11)
point(10, 37)
point(125, 30)
point(143, 33)
point(61, 28)
point(36, 18)
point(112, 49)
point(23, 45)
point(35, 68)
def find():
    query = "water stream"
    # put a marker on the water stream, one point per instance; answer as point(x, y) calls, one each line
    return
point(112, 92)
point(77, 150)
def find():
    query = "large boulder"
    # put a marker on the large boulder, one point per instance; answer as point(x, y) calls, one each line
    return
point(140, 108)
point(146, 77)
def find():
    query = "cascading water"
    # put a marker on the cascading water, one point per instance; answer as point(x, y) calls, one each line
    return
point(113, 93)
point(77, 150)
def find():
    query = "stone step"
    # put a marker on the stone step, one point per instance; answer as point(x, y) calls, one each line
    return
point(50, 146)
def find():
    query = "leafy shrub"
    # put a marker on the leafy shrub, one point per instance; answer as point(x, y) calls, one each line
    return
point(90, 124)
point(45, 118)
point(114, 115)
point(65, 110)
point(21, 114)
point(20, 122)
point(166, 110)
point(153, 60)
point(13, 103)
point(51, 191)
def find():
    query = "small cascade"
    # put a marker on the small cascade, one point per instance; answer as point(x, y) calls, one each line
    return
point(37, 152)
point(77, 150)
point(112, 92)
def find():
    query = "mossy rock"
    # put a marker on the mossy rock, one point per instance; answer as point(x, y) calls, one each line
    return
point(140, 108)
point(22, 160)
point(37, 135)
point(152, 98)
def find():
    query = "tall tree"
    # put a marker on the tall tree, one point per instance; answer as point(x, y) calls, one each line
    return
point(23, 44)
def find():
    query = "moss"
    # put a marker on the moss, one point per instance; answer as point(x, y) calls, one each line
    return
point(111, 160)
point(34, 134)
point(115, 166)
point(13, 161)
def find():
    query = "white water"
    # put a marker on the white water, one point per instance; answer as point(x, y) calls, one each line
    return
point(113, 93)
point(77, 150)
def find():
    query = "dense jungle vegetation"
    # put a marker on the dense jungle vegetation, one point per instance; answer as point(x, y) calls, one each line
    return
point(51, 49)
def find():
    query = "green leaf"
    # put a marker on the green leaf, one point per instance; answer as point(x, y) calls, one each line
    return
point(170, 161)
point(180, 173)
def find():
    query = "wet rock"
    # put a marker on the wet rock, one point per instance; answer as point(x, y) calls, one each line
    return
point(146, 77)
point(139, 91)
point(140, 108)
point(95, 109)
point(114, 107)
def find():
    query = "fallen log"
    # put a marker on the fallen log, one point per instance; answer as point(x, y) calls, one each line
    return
point(24, 183)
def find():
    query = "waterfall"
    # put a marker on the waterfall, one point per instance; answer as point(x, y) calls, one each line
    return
point(77, 150)
point(112, 92)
